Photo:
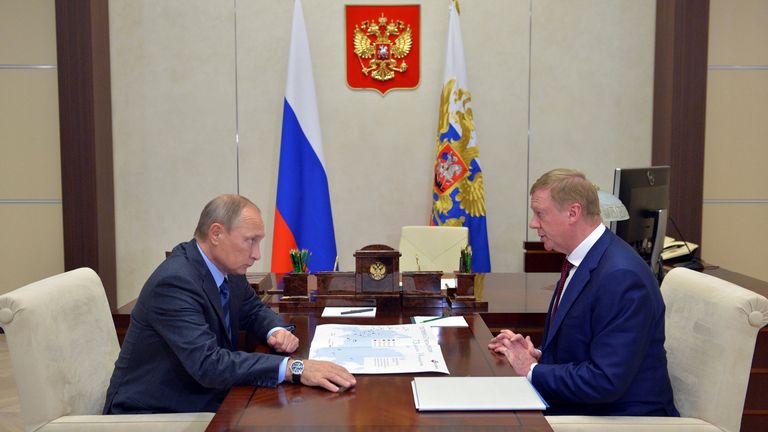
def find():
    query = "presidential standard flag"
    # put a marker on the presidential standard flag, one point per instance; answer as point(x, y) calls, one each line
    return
point(303, 216)
point(458, 197)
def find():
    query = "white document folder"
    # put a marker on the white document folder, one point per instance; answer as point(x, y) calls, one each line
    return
point(475, 394)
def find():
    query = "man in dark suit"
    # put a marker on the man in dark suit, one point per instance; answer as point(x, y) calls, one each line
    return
point(603, 347)
point(180, 352)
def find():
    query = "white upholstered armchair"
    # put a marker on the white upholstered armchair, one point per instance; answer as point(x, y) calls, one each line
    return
point(711, 327)
point(432, 248)
point(63, 347)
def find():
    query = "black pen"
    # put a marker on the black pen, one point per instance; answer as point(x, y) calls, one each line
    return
point(355, 311)
point(435, 319)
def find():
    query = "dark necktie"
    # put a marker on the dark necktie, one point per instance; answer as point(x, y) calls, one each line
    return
point(567, 266)
point(224, 293)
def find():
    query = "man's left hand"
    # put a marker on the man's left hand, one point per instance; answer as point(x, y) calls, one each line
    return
point(283, 341)
point(519, 355)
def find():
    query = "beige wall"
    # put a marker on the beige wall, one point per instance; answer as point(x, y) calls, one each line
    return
point(735, 218)
point(188, 75)
point(30, 180)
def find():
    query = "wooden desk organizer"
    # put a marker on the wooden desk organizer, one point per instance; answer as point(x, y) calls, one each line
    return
point(375, 282)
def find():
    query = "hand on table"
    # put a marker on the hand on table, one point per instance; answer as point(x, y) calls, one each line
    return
point(327, 375)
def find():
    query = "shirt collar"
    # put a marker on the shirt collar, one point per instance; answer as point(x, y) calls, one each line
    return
point(217, 274)
point(578, 254)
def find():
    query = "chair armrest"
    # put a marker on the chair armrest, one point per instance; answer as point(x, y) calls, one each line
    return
point(626, 423)
point(180, 422)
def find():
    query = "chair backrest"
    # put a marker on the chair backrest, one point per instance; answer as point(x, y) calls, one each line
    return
point(62, 343)
point(437, 248)
point(711, 328)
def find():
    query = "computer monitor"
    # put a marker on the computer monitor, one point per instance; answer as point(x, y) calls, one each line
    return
point(645, 194)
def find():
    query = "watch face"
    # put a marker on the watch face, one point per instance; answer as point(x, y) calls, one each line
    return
point(297, 367)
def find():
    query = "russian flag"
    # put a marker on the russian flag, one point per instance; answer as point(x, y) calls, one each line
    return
point(303, 217)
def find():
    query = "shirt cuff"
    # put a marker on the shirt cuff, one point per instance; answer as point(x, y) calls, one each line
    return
point(530, 371)
point(281, 370)
point(290, 327)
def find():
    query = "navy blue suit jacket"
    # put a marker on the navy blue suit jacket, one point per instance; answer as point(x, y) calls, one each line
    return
point(177, 356)
point(604, 353)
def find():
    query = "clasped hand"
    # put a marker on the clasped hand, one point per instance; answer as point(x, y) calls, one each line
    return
point(518, 350)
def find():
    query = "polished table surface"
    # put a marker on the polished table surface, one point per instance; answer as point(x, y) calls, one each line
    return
point(378, 401)
point(518, 301)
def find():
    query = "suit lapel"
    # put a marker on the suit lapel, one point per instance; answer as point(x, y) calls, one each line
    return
point(209, 285)
point(578, 281)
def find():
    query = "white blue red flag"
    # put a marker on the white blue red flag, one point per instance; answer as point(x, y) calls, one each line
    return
point(458, 194)
point(303, 218)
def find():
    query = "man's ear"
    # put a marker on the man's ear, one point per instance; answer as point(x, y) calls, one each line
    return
point(215, 232)
point(574, 211)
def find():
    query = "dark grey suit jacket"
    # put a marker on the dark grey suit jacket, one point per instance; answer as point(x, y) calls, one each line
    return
point(177, 356)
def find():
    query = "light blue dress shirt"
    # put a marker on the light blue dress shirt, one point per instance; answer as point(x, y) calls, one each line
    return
point(218, 278)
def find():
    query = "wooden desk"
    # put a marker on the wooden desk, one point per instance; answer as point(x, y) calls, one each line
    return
point(519, 301)
point(378, 401)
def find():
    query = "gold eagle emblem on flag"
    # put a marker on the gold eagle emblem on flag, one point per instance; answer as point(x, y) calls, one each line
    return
point(454, 160)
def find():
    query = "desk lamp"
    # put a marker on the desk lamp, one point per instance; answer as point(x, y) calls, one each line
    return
point(611, 208)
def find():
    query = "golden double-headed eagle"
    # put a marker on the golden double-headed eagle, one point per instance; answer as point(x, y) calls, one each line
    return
point(382, 50)
point(471, 195)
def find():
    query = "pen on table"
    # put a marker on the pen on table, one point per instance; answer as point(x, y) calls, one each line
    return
point(355, 311)
point(436, 318)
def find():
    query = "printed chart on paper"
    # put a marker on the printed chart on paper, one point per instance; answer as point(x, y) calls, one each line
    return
point(370, 349)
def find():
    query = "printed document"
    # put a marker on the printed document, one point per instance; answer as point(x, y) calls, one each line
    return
point(379, 349)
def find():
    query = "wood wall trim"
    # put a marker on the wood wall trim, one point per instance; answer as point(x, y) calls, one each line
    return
point(85, 128)
point(679, 108)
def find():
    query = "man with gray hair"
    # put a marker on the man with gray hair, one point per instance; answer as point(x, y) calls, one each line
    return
point(603, 346)
point(180, 353)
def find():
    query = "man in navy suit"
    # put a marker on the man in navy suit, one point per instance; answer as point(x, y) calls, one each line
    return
point(180, 353)
point(603, 347)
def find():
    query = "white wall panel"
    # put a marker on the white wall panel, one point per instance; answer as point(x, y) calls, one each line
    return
point(591, 87)
point(174, 108)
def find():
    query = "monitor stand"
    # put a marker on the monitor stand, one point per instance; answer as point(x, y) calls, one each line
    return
point(659, 230)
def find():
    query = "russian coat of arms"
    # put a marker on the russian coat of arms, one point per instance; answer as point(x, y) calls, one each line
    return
point(382, 47)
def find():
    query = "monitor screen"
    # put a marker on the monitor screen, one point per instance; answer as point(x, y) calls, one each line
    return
point(645, 194)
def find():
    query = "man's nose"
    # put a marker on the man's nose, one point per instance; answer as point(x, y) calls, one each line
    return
point(534, 224)
point(256, 253)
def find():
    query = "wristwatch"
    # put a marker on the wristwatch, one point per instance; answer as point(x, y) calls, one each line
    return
point(297, 368)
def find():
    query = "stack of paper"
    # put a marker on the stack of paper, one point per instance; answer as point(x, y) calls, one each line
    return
point(475, 394)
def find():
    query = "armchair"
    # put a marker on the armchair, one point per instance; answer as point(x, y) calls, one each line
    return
point(711, 328)
point(436, 248)
point(63, 347)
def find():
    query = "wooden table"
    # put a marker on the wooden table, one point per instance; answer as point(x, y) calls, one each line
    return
point(519, 301)
point(378, 401)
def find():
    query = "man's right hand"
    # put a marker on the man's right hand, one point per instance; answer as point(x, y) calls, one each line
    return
point(327, 375)
point(506, 339)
